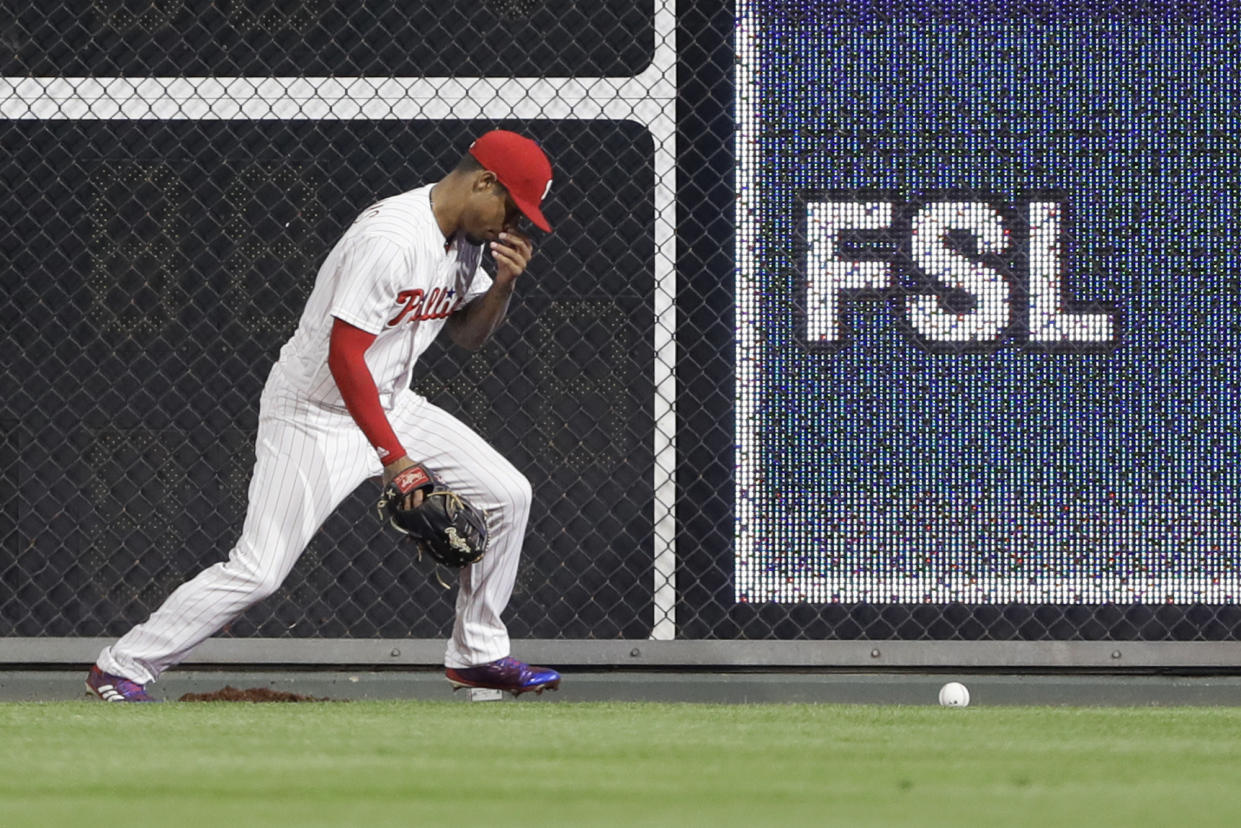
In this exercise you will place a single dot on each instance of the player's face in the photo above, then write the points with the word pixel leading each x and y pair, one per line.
pixel 489 212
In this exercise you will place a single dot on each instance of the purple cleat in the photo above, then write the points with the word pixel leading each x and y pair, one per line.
pixel 507 673
pixel 112 688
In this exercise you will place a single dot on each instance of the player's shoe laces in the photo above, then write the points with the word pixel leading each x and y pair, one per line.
pixel 112 688
pixel 507 674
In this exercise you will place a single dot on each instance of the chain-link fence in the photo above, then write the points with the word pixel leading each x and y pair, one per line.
pixel 732 374
pixel 161 238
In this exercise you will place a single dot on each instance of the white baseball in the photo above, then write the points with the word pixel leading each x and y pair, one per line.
pixel 954 694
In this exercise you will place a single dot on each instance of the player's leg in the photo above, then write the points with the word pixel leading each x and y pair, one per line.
pixel 470 466
pixel 302 471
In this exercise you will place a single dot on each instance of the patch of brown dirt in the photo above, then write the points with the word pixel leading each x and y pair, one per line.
pixel 253 694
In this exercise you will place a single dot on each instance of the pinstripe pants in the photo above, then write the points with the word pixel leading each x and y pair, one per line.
pixel 308 458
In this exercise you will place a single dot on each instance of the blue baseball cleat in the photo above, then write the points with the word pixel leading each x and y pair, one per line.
pixel 507 674
pixel 112 688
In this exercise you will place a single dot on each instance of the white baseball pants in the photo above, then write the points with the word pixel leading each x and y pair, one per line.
pixel 308 458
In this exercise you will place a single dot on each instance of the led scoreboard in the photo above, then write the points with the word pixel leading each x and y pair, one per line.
pixel 987 303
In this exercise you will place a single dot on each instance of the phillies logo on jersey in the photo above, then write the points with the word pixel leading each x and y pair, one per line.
pixel 419 305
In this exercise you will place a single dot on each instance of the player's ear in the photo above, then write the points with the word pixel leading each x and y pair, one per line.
pixel 484 180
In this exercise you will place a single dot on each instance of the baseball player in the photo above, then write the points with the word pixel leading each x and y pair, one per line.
pixel 337 409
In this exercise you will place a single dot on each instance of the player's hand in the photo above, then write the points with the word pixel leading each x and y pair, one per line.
pixel 392 470
pixel 512 252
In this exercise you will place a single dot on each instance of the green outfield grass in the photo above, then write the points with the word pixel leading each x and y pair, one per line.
pixel 458 764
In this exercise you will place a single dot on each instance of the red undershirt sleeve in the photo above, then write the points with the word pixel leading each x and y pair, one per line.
pixel 346 360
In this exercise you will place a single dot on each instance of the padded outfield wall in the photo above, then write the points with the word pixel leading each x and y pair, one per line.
pixel 896 322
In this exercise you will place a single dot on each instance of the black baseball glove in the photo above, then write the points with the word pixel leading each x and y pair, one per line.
pixel 443 524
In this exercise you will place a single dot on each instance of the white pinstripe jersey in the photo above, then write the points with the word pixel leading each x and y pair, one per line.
pixel 389 275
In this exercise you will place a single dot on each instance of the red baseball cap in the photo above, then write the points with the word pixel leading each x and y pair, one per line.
pixel 521 166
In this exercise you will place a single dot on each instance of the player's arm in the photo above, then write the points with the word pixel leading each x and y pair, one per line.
pixel 474 324
pixel 347 362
